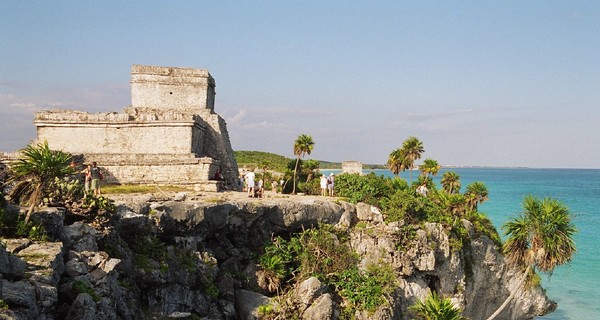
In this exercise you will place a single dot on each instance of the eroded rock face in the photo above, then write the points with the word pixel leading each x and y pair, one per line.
pixel 181 258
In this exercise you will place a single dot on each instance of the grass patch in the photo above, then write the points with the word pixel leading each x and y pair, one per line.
pixel 83 287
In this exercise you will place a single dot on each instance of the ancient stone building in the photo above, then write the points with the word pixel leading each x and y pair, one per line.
pixel 169 135
pixel 352 167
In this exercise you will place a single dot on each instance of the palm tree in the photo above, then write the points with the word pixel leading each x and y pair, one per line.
pixel 312 166
pixel 413 148
pixel 37 167
pixel 435 307
pixel 476 193
pixel 451 182
pixel 539 238
pixel 430 166
pixel 303 145
pixel 453 203
pixel 396 161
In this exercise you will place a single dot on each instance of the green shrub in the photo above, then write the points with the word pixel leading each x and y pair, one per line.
pixel 32 230
pixel 83 287
pixel 483 225
pixel 365 290
pixel 13 226
pixel 322 253
pixel 63 190
pixel 405 205
pixel 8 223
pixel 313 252
pixel 369 188
pixel 99 203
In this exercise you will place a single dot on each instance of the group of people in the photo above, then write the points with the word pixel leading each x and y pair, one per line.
pixel 254 188
pixel 327 184
pixel 92 176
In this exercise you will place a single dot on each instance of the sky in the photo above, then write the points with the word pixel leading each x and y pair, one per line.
pixel 480 83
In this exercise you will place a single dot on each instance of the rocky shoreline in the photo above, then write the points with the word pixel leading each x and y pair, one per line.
pixel 197 258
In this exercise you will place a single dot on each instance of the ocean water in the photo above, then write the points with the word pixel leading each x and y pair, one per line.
pixel 575 286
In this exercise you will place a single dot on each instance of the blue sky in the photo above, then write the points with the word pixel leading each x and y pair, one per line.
pixel 505 83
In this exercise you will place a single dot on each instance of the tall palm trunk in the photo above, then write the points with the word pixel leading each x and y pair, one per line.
pixel 34 199
pixel 295 172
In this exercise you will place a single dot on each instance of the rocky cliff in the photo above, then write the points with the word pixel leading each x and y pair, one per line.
pixel 197 259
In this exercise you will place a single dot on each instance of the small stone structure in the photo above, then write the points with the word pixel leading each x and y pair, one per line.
pixel 169 135
pixel 352 167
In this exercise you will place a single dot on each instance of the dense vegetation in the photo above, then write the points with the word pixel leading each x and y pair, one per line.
pixel 259 159
pixel 324 253
pixel 275 162
pixel 538 239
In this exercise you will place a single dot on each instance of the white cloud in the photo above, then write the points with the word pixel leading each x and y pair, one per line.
pixel 237 118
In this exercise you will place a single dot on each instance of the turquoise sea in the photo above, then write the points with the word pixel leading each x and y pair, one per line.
pixel 576 286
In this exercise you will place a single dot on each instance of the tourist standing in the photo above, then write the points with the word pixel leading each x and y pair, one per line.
pixel 331 184
pixel 250 183
pixel 260 188
pixel 274 186
pixel 324 182
pixel 422 189
pixel 96 176
pixel 87 178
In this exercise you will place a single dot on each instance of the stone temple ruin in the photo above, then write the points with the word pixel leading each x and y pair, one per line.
pixel 169 135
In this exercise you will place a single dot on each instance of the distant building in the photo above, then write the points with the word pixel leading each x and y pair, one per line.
pixel 169 135
pixel 352 167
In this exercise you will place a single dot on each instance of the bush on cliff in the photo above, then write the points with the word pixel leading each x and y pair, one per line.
pixel 324 254
pixel 399 202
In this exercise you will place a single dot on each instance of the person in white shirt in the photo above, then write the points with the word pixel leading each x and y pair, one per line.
pixel 323 185
pixel 250 183
pixel 422 190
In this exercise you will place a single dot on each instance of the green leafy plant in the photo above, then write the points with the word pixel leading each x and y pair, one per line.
pixel 212 290
pixel 83 287
pixel 99 203
pixel 435 307
pixel 34 172
pixel 365 290
pixel 325 254
pixel 63 190
pixel 370 188
pixel 31 230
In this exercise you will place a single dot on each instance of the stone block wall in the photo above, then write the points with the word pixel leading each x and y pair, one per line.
pixel 185 90
pixel 78 132
pixel 352 167
pixel 156 169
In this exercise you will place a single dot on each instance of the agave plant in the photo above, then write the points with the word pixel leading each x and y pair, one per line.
pixel 34 171
pixel 435 307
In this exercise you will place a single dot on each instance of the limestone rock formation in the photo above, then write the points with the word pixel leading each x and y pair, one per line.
pixel 175 259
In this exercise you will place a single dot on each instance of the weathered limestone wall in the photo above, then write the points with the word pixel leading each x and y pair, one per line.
pixel 81 132
pixel 186 90
pixel 162 169
pixel 352 167
pixel 136 138
pixel 220 146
